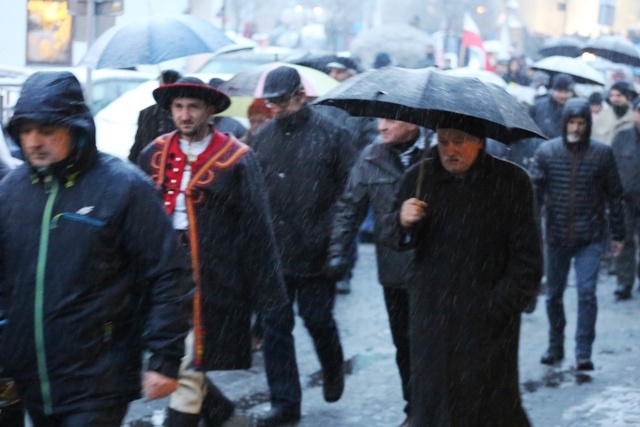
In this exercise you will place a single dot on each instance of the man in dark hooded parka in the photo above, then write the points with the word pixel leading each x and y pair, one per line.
pixel 91 274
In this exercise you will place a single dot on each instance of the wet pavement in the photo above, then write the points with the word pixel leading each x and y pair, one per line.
pixel 559 396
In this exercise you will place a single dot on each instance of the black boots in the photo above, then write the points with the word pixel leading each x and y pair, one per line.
pixel 216 410
pixel 216 407
pixel 181 419
pixel 552 356
pixel 280 415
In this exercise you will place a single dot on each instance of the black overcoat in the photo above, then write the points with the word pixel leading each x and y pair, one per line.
pixel 235 261
pixel 478 264
pixel 306 159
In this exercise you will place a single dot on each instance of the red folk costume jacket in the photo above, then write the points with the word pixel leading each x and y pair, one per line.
pixel 233 251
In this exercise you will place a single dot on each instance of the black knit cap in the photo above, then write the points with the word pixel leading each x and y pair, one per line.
pixel 562 82
pixel 190 87
pixel 625 89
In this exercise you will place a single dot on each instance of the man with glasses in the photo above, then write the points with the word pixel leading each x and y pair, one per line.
pixel 306 160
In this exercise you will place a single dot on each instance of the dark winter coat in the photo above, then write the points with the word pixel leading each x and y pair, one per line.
pixel 576 183
pixel 547 114
pixel 363 130
pixel 373 182
pixel 626 150
pixel 478 264
pixel 153 121
pixel 233 250
pixel 88 261
pixel 306 160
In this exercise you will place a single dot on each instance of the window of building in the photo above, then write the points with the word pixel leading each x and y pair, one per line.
pixel 607 12
pixel 49 28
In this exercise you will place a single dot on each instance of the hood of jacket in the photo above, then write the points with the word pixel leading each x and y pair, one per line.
pixel 57 98
pixel 577 107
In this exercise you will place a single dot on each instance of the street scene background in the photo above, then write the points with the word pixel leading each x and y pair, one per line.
pixel 556 396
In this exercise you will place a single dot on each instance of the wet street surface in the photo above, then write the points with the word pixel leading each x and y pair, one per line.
pixel 554 396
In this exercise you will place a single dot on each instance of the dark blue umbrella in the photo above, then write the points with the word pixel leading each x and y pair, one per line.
pixel 432 98
pixel 153 40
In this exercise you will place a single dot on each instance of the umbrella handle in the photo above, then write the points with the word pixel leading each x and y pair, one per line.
pixel 421 166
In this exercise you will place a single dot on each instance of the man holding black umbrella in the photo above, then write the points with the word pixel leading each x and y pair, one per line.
pixel 470 218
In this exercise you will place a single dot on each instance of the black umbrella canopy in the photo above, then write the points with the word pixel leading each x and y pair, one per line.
pixel 431 98
pixel 615 49
pixel 562 46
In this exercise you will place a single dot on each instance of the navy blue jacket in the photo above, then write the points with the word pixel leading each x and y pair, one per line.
pixel 576 183
pixel 89 263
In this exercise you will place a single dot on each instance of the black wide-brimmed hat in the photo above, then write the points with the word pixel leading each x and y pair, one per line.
pixel 190 87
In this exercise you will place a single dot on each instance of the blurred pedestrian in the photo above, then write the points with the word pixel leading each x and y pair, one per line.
pixel 474 275
pixel 214 192
pixel 363 131
pixel 306 160
pixel 515 74
pixel 372 183
pixel 258 113
pixel 626 150
pixel 619 115
pixel 576 181
pixel 382 59
pixel 547 110
pixel 226 124
pixel 91 271
pixel 153 121
pixel 342 68
pixel 11 409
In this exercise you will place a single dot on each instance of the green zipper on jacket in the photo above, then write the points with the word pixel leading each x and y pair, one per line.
pixel 45 387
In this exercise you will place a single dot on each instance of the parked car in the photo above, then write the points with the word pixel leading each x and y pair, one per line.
pixel 109 84
pixel 248 57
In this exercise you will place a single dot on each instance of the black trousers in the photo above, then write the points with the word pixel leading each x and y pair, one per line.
pixel 107 417
pixel 397 302
pixel 316 298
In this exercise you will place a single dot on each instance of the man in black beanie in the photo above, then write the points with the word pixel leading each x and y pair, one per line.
pixel 607 124
pixel 547 110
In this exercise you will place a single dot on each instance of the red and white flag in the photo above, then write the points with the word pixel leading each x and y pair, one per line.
pixel 471 39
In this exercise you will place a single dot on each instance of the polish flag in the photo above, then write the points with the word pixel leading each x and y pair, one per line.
pixel 471 39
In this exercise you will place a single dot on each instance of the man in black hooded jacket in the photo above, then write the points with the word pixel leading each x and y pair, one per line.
pixel 91 273
pixel 576 179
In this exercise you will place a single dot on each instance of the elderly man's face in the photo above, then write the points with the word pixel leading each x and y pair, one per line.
pixel 396 131
pixel 191 117
pixel 45 144
pixel 576 128
pixel 457 149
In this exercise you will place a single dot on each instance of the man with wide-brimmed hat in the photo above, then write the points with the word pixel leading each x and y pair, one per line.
pixel 214 192
pixel 306 158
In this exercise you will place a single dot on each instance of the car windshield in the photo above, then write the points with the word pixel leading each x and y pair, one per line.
pixel 231 66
